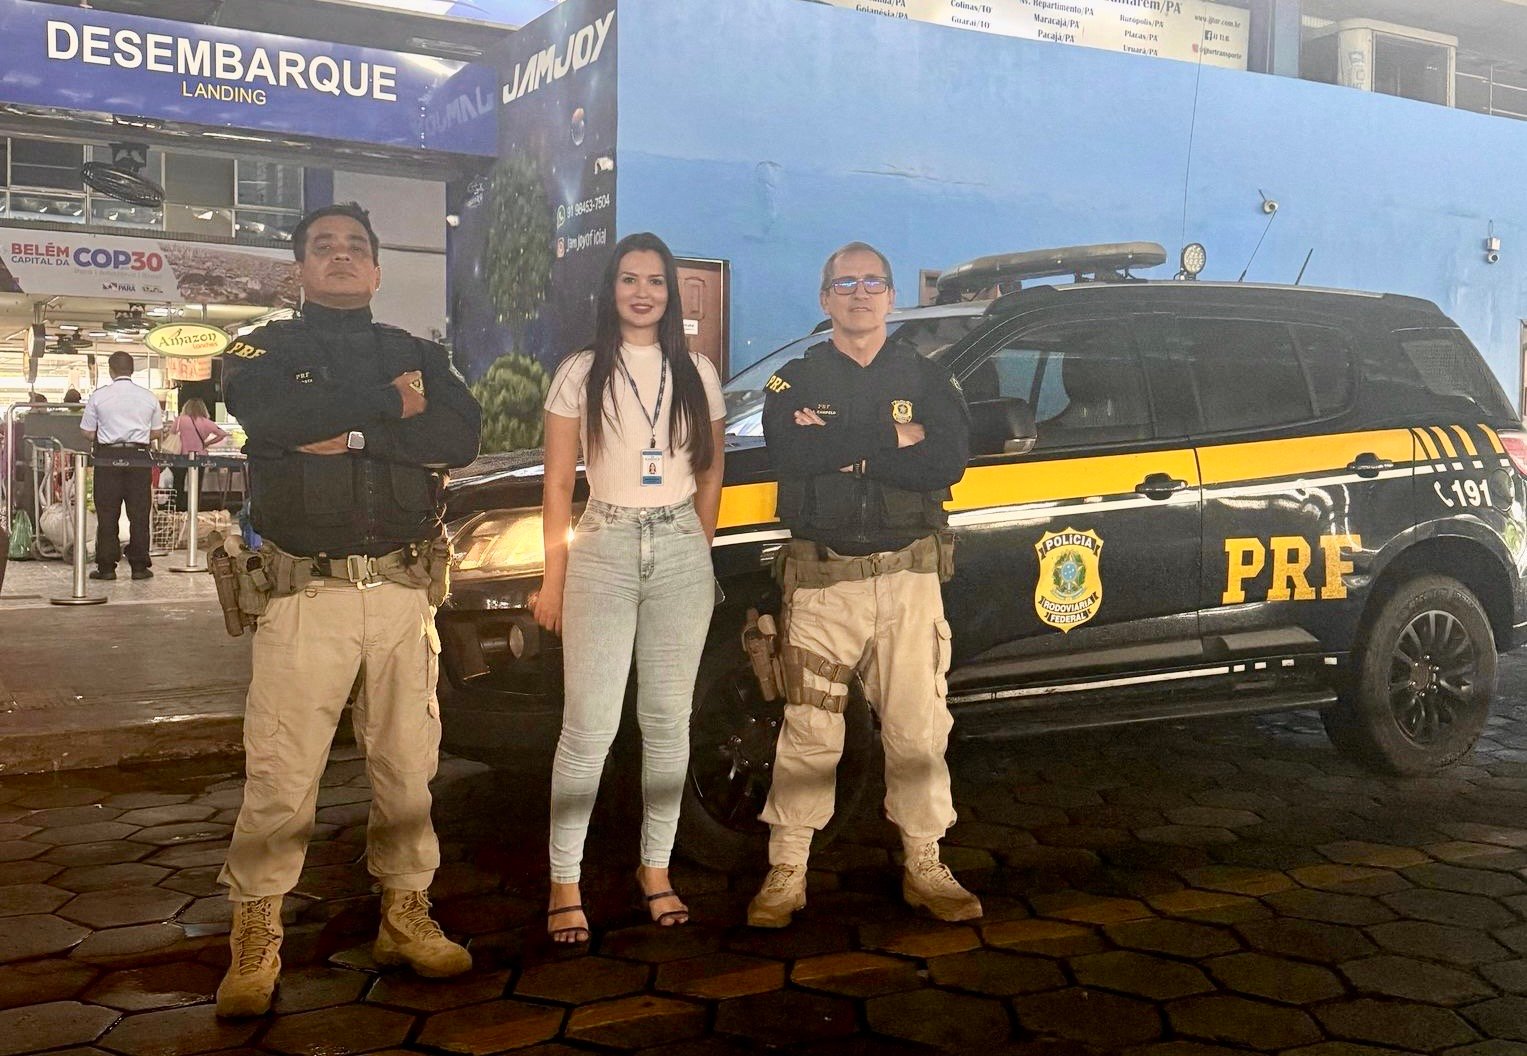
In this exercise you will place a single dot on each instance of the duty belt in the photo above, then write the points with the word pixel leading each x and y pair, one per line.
pixel 812 565
pixel 362 568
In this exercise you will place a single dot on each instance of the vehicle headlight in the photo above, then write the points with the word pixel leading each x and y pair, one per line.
pixel 509 543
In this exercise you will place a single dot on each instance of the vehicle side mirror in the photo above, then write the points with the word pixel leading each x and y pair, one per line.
pixel 1004 425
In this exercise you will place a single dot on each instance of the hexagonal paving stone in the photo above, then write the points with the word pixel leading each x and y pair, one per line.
pixel 956 1022
pixel 919 938
pixel 1287 982
pixel 49 1026
pixel 1185 835
pixel 202 882
pixel 58 817
pixel 187 856
pixel 178 1032
pixel 995 972
pixel 11 830
pixel 81 879
pixel 1504 1018
pixel 818 939
pixel 1177 938
pixel 1107 1021
pixel 720 976
pixel 1510 976
pixel 40 982
pixel 1238 880
pixel 406 990
pixel 37 935
pixel 1350 879
pixel 1449 877
pixel 1051 938
pixel 318 986
pixel 1090 909
pixel 581 980
pixel 139 800
pixel 142 943
pixel 647 942
pixel 134 905
pixel 1358 852
pixel 106 852
pixel 1213 817
pixel 1308 939
pixel 28 872
pixel 167 815
pixel 785 1018
pixel 1414 980
pixel 93 832
pixel 181 833
pixel 20 850
pixel 161 986
pixel 492 1027
pixel 1477 855
pixel 1208 907
pixel 1239 1021
pixel 1438 942
pixel 1451 907
pixel 1330 907
pixel 856 974
pixel 1413 1028
pixel 1140 975
pixel 47 798
pixel 363 1028
pixel 20 899
pixel 637 1022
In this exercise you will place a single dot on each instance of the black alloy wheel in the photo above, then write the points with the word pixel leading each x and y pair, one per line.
pixel 1424 675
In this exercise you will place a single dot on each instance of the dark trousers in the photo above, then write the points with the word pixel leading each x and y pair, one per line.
pixel 115 485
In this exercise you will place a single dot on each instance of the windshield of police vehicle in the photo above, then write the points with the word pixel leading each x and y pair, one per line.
pixel 744 393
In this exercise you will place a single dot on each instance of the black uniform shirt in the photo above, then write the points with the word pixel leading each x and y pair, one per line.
pixel 899 497
pixel 325 374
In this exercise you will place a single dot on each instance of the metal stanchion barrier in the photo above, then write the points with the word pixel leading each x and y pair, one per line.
pixel 79 597
pixel 194 562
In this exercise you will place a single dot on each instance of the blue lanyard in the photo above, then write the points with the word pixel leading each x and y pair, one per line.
pixel 658 407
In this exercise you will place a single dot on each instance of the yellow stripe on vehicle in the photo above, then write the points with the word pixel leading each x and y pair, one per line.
pixel 1015 484
pixel 1300 456
pixel 1468 443
pixel 1443 443
pixel 1428 445
pixel 743 504
pixel 1494 440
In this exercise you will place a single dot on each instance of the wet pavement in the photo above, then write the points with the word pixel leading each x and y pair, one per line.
pixel 1226 886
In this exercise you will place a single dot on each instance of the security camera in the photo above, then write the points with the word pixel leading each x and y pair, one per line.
pixel 1492 257
pixel 1269 206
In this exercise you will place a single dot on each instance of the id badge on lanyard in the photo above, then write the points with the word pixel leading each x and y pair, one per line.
pixel 651 470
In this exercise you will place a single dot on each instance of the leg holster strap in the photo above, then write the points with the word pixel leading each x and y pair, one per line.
pixel 796 660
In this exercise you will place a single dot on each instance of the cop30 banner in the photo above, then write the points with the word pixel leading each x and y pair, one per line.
pixel 1190 30
pixel 65 263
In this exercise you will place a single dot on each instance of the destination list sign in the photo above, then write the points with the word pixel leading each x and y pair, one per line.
pixel 1189 30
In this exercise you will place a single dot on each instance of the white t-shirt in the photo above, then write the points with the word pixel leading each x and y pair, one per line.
pixel 614 475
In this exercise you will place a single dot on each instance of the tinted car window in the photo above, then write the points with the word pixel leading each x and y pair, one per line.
pixel 1449 366
pixel 1327 359
pixel 1082 380
pixel 1247 373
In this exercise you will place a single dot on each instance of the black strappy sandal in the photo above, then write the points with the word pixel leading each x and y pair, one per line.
pixel 580 932
pixel 673 917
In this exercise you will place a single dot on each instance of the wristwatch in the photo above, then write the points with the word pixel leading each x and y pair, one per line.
pixel 355 440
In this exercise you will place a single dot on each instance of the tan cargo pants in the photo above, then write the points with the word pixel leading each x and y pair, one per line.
pixel 892 628
pixel 307 651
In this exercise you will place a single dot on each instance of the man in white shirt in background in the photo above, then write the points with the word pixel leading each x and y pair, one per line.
pixel 122 418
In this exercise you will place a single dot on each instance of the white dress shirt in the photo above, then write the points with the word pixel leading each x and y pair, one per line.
pixel 121 413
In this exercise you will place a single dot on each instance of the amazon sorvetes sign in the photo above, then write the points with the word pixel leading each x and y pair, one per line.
pixel 207 75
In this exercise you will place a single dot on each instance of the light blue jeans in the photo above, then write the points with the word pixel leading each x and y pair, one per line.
pixel 638 579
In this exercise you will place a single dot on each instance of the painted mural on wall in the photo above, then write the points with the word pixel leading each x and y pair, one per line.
pixel 535 228
pixel 1189 30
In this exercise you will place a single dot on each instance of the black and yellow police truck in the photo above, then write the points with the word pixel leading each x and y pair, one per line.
pixel 1184 499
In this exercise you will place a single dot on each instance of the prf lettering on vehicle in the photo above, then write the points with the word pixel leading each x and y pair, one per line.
pixel 1245 559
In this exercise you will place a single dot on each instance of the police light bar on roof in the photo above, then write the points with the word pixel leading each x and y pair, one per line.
pixel 1082 262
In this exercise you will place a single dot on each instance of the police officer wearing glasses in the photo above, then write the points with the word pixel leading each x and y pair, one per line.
pixel 866 437
pixel 349 423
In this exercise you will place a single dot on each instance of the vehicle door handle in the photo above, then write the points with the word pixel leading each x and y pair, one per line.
pixel 1368 464
pixel 1159 486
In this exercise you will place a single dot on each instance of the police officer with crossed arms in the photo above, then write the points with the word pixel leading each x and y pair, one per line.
pixel 866 437
pixel 349 424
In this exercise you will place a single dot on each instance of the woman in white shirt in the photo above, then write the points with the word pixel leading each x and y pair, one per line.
pixel 636 575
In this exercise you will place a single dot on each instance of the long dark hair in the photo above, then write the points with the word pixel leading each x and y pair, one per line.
pixel 689 422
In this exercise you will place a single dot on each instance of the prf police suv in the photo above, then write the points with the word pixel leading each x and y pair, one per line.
pixel 1184 499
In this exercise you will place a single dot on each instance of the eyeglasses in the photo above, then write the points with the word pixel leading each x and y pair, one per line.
pixel 871 284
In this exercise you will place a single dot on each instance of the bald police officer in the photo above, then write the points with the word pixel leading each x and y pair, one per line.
pixel 866 437
pixel 349 423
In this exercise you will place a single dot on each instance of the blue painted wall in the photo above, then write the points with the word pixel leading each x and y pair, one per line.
pixel 768 132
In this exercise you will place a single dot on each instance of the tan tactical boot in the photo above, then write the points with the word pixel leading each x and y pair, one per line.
pixel 783 892
pixel 927 883
pixel 256 964
pixel 410 936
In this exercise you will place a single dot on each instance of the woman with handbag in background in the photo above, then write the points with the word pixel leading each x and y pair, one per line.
pixel 636 575
pixel 193 432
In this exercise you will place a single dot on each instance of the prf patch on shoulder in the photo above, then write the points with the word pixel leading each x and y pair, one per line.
pixel 776 383
pixel 901 411
pixel 1070 587
pixel 244 350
